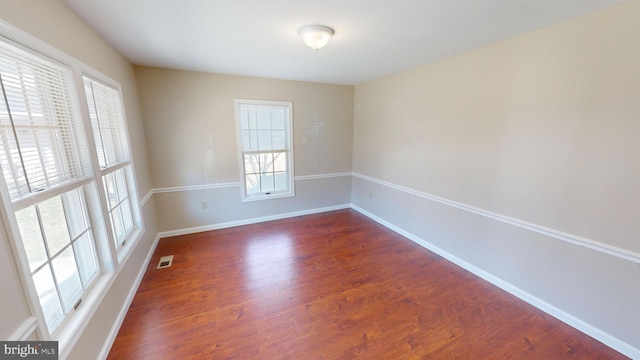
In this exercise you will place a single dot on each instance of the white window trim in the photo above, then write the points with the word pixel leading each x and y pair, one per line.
pixel 69 331
pixel 125 250
pixel 290 155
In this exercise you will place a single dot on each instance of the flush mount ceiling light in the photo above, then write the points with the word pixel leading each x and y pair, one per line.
pixel 315 36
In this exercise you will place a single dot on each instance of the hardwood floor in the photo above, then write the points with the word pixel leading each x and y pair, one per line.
pixel 330 286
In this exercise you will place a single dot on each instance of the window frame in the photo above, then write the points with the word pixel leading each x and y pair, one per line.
pixel 74 240
pixel 125 165
pixel 288 150
pixel 110 260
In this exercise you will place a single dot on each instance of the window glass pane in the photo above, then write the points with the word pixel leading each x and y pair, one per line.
pixel 267 182
pixel 31 237
pixel 277 119
pixel 102 159
pixel 127 219
pixel 106 119
pixel 264 119
pixel 112 151
pixel 120 213
pixel 282 182
pixel 253 140
pixel 251 164
pixel 87 262
pixel 94 122
pixel 279 140
pixel 54 224
pixel 9 157
pixel 40 147
pixel 76 214
pixel 266 162
pixel 66 271
pixel 110 190
pixel 264 140
pixel 117 225
pixel 252 183
pixel 280 162
pixel 48 296
pixel 244 121
pixel 246 140
pixel 121 184
pixel 252 114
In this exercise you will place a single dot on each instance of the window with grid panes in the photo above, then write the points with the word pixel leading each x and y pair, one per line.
pixel 60 193
pixel 106 113
pixel 265 142
pixel 46 169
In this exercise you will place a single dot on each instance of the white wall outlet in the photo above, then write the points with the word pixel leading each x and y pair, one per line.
pixel 203 205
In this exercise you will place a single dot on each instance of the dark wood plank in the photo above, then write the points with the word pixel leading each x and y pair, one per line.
pixel 330 286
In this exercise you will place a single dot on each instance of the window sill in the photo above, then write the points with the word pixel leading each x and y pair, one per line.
pixel 127 248
pixel 69 332
pixel 267 197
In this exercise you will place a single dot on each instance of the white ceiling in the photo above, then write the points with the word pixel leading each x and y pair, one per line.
pixel 373 38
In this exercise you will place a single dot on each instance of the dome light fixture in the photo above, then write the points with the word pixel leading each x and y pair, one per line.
pixel 315 36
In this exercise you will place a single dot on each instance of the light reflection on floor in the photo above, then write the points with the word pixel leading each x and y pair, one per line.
pixel 269 263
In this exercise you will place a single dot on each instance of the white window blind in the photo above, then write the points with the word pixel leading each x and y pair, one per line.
pixel 105 110
pixel 64 196
pixel 42 148
pixel 38 128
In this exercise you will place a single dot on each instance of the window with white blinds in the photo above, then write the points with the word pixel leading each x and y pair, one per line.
pixel 45 159
pixel 39 133
pixel 265 141
pixel 62 196
pixel 107 120
pixel 105 110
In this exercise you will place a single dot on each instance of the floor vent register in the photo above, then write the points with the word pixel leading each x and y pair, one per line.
pixel 165 261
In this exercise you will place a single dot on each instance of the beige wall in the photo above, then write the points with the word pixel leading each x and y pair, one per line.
pixel 52 22
pixel 191 133
pixel 543 128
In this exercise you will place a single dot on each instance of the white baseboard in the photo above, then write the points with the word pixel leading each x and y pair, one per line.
pixel 569 319
pixel 104 352
pixel 229 224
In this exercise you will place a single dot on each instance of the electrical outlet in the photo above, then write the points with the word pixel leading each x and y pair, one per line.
pixel 203 205
pixel 370 194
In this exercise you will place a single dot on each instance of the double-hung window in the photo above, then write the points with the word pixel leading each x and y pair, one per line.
pixel 46 166
pixel 67 181
pixel 107 122
pixel 265 143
